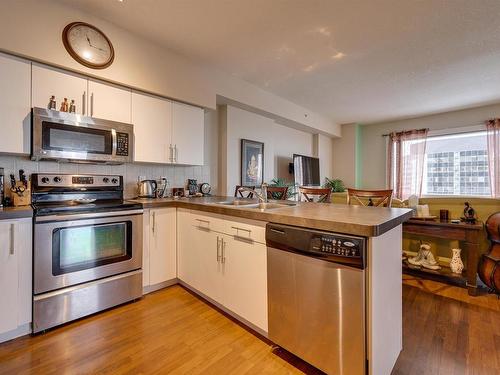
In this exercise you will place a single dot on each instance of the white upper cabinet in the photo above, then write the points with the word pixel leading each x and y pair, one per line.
pixel 109 102
pixel 188 134
pixel 152 120
pixel 15 119
pixel 50 81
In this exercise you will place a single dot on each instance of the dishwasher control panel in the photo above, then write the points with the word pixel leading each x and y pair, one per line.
pixel 328 246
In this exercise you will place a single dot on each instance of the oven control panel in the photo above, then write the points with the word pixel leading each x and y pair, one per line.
pixel 52 180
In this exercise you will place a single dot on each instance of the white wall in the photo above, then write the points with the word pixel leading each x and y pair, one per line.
pixel 32 28
pixel 280 143
pixel 324 149
pixel 345 155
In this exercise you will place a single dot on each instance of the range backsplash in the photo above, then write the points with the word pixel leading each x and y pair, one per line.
pixel 176 175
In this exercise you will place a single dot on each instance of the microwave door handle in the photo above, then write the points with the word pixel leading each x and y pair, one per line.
pixel 113 136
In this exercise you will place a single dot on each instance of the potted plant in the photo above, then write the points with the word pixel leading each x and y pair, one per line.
pixel 336 185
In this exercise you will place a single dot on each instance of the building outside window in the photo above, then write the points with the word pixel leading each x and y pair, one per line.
pixel 456 165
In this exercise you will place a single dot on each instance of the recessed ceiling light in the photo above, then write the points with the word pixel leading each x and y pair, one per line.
pixel 338 56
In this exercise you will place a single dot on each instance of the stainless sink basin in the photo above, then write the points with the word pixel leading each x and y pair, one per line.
pixel 237 203
pixel 270 205
pixel 257 206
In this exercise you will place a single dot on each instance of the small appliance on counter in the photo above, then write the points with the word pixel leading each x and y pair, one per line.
pixel 147 189
pixel 205 189
pixel 192 186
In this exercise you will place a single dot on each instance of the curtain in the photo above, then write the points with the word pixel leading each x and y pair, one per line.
pixel 493 134
pixel 405 162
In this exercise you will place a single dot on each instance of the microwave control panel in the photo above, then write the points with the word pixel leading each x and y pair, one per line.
pixel 122 143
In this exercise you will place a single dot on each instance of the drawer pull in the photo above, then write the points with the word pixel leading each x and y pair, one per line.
pixel 242 229
pixel 12 238
pixel 203 221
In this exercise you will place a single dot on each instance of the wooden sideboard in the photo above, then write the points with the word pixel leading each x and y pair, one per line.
pixel 468 234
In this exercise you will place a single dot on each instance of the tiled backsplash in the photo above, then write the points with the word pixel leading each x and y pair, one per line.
pixel 176 175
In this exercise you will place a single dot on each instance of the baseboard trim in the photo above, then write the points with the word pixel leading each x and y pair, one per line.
pixel 23 330
pixel 153 288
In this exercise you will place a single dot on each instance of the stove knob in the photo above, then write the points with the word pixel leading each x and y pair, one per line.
pixel 114 180
pixel 57 179
pixel 105 180
pixel 45 180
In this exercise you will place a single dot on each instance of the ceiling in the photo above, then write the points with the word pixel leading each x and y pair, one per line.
pixel 352 61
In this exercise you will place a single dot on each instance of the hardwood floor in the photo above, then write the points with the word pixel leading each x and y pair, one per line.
pixel 173 332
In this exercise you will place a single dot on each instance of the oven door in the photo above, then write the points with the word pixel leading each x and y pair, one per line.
pixel 73 249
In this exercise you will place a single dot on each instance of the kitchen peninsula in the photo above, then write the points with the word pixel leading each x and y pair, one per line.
pixel 242 285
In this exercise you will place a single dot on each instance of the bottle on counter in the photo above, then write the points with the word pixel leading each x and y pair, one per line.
pixel 52 103
pixel 72 106
pixel 64 105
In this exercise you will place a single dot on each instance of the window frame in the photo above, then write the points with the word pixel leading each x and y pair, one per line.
pixel 450 132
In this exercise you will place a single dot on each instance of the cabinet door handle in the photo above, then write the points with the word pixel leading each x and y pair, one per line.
pixel 12 239
pixel 176 153
pixel 218 250
pixel 83 102
pixel 91 104
pixel 223 259
pixel 154 222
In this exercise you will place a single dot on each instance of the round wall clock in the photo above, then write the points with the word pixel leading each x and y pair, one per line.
pixel 88 45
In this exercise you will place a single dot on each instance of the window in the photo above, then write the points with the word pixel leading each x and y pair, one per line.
pixel 456 165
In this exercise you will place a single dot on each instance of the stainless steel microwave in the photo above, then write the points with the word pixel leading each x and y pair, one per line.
pixel 66 136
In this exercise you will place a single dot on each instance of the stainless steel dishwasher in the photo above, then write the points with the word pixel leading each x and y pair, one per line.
pixel 316 297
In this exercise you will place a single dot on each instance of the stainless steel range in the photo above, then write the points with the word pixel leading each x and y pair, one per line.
pixel 87 247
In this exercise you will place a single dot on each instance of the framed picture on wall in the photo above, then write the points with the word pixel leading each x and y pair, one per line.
pixel 252 163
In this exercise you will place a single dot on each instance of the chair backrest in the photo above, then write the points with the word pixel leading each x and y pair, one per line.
pixel 370 197
pixel 277 192
pixel 243 194
pixel 323 194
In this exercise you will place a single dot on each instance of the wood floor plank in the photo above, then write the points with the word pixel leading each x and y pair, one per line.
pixel 174 332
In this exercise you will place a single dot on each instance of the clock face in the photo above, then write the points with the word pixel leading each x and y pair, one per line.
pixel 88 45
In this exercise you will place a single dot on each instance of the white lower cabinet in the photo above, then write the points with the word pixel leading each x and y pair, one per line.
pixel 159 248
pixel 15 277
pixel 228 269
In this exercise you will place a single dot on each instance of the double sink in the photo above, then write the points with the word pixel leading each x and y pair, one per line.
pixel 252 205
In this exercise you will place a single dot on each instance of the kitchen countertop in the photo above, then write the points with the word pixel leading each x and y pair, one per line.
pixel 340 218
pixel 15 212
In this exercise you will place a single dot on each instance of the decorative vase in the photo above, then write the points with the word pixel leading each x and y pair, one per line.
pixel 456 264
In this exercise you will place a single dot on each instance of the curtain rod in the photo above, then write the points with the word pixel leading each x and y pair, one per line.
pixel 477 123
pixel 404 131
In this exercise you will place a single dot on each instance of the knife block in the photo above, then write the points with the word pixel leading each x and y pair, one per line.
pixel 21 200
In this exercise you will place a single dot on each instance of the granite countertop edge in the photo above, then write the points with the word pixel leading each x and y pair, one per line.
pixel 292 215
pixel 21 212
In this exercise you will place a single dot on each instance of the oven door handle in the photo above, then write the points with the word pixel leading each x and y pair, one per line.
pixel 43 219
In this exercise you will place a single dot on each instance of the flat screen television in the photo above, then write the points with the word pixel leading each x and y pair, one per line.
pixel 306 170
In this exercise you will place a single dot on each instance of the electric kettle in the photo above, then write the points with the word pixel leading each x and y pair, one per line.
pixel 147 189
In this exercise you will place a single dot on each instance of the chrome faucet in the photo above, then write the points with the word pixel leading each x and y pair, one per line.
pixel 262 195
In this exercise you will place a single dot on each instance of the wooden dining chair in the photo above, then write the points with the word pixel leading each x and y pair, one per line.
pixel 323 194
pixel 243 194
pixel 277 192
pixel 370 197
